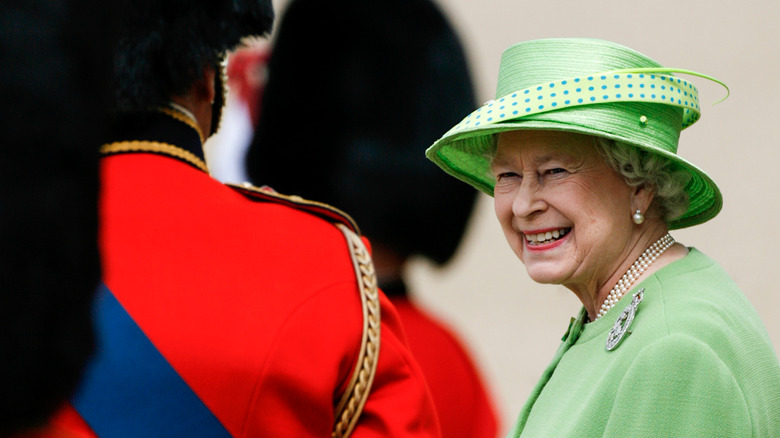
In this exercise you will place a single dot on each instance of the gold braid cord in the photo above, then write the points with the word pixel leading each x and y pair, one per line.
pixel 354 399
pixel 153 146
pixel 184 119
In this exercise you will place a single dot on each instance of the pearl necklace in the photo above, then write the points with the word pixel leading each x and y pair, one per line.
pixel 624 284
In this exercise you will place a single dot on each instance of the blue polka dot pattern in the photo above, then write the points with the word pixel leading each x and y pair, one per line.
pixel 609 90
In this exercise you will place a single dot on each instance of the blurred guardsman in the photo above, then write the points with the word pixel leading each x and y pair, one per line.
pixel 53 86
pixel 386 95
pixel 226 311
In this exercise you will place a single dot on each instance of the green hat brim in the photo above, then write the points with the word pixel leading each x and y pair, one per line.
pixel 466 155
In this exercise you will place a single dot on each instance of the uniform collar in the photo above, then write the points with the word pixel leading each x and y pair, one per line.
pixel 165 131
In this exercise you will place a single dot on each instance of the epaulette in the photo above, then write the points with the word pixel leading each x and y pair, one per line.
pixel 324 211
pixel 350 406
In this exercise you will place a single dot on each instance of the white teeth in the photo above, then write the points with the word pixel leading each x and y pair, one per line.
pixel 546 236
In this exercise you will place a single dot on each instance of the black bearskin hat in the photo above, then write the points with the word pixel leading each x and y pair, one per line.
pixel 54 82
pixel 390 77
pixel 165 44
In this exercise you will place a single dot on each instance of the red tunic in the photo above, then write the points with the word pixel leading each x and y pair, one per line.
pixel 254 303
pixel 462 401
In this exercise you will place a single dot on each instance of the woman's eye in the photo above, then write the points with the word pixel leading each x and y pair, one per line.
pixel 504 176
pixel 555 171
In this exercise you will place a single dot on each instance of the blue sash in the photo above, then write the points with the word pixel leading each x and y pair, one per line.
pixel 129 389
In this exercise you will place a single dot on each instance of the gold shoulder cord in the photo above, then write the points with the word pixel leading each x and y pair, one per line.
pixel 354 399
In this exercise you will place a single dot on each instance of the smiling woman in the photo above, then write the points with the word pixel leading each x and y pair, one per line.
pixel 579 150
pixel 554 181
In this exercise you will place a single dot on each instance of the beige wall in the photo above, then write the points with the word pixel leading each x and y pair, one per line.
pixel 511 324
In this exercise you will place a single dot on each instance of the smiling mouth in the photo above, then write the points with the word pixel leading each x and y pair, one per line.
pixel 546 237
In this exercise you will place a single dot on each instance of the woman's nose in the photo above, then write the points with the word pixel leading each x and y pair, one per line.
pixel 528 199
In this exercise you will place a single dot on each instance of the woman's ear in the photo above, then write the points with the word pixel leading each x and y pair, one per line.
pixel 642 198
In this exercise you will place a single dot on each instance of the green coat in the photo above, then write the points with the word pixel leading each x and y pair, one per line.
pixel 698 363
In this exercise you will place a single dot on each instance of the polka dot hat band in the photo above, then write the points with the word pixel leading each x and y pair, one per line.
pixel 607 87
pixel 587 86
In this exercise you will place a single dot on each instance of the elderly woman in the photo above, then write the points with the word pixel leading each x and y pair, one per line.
pixel 579 151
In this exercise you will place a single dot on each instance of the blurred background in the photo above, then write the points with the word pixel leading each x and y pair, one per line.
pixel 512 325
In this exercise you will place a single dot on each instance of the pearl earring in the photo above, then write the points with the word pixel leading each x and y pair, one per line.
pixel 638 217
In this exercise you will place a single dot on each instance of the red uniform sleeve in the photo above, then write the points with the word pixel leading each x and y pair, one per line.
pixel 312 359
pixel 400 404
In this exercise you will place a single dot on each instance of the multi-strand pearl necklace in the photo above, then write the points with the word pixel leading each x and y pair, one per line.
pixel 624 284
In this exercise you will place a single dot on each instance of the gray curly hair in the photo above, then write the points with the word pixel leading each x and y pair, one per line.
pixel 642 168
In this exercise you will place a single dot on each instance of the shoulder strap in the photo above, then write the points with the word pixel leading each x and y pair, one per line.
pixel 325 211
pixel 354 399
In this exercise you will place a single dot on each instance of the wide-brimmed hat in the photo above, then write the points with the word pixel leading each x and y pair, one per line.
pixel 586 86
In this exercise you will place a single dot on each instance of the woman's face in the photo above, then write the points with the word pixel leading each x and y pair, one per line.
pixel 564 211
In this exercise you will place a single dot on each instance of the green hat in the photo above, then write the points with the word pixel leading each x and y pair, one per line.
pixel 585 86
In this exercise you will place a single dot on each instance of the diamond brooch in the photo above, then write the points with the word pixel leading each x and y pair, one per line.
pixel 620 329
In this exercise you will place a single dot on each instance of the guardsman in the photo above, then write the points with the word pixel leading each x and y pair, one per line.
pixel 226 310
